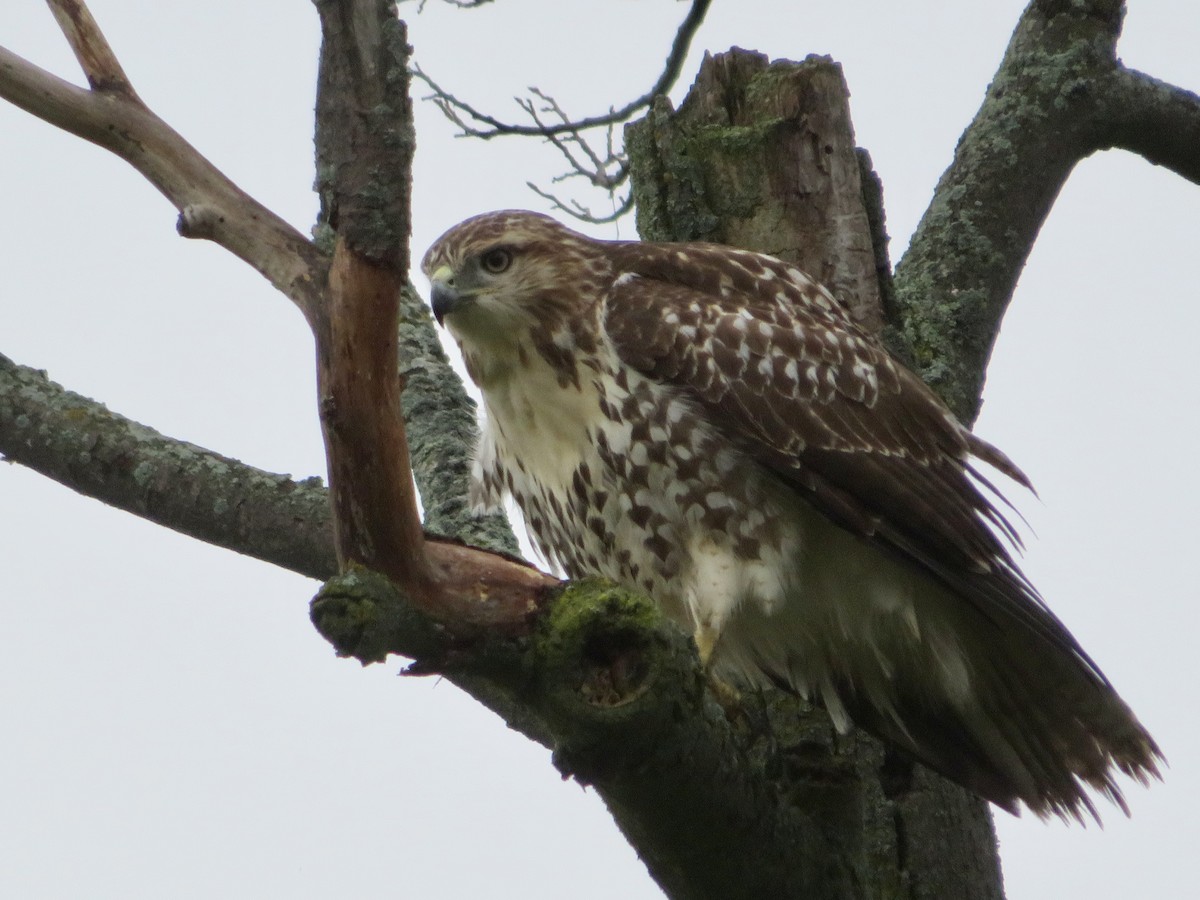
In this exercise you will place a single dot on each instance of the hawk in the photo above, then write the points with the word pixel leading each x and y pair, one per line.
pixel 709 426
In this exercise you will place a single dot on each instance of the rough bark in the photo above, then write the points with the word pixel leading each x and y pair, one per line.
pixel 752 159
pixel 763 157
pixel 1061 94
pixel 101 454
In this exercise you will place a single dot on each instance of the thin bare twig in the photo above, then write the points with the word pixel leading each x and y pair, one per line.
pixel 596 168
pixel 579 211
pixel 496 128
pixel 607 170
pixel 460 4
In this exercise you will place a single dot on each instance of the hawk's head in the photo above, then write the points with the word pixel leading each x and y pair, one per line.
pixel 504 272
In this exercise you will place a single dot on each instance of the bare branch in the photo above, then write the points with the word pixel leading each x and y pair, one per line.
pixel 364 148
pixel 596 168
pixel 567 134
pixel 118 122
pixel 496 128
pixel 460 4
pixel 363 129
pixel 91 49
pixel 376 523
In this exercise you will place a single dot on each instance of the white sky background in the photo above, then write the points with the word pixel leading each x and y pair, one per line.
pixel 171 724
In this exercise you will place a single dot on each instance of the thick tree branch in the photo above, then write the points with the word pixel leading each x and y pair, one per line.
pixel 376 523
pixel 90 449
pixel 364 152
pixel 1059 96
pixel 84 446
pixel 474 589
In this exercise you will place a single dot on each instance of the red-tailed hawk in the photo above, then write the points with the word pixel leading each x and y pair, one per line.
pixel 707 425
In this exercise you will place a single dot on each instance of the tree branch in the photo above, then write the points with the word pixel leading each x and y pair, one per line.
pixel 455 109
pixel 210 205
pixel 364 151
pixel 474 589
pixel 91 49
pixel 608 170
pixel 1153 119
pixel 1060 95
pixel 84 446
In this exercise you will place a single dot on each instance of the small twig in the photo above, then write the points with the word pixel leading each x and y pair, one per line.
pixel 567 134
pixel 581 212
pixel 596 169
pixel 670 74
pixel 460 4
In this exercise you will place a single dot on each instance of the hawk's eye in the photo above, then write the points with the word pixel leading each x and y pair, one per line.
pixel 496 261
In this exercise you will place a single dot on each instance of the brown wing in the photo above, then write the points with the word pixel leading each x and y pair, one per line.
pixel 787 375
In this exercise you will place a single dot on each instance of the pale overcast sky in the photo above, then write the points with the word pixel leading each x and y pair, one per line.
pixel 173 727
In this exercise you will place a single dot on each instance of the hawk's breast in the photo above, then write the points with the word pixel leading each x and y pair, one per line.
pixel 620 476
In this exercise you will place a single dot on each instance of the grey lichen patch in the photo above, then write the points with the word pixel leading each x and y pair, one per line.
pixel 1036 122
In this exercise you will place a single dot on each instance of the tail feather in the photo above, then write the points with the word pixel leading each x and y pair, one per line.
pixel 1020 715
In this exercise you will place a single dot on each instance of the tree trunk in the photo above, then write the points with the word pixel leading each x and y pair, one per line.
pixel 762 156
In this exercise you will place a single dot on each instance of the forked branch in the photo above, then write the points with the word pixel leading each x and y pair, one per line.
pixel 111 116
pixel 351 304
pixel 1060 95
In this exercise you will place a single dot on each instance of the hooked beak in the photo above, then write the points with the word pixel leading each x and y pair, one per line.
pixel 443 296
